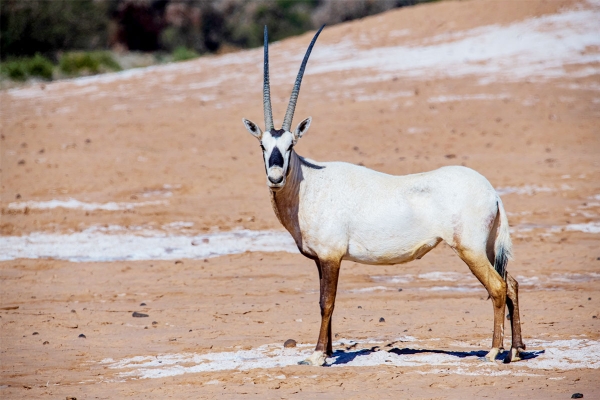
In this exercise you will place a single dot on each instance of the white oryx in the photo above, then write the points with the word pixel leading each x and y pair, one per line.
pixel 338 211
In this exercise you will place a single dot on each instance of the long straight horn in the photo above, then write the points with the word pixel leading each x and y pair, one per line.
pixel 266 87
pixel 289 114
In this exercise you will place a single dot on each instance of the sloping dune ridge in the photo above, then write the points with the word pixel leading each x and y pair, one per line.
pixel 141 191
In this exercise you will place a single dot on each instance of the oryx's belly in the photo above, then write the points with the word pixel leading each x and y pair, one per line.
pixel 389 250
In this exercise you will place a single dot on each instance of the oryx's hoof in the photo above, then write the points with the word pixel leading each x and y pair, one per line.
pixel 513 355
pixel 491 356
pixel 317 359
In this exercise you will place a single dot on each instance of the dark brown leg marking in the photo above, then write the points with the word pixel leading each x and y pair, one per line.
pixel 512 301
pixel 330 271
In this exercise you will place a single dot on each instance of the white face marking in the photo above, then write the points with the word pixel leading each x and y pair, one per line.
pixel 276 156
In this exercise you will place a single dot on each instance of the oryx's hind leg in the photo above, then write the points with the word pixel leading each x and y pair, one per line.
pixel 483 270
pixel 512 301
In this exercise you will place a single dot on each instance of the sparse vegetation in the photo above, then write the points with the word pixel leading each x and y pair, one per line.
pixel 34 34
pixel 20 69
pixel 182 53
pixel 88 63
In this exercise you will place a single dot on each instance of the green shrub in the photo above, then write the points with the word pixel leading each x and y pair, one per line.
pixel 15 70
pixel 182 53
pixel 88 63
pixel 40 66
pixel 19 69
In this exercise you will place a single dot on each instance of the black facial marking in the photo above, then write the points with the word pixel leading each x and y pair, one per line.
pixel 277 132
pixel 276 158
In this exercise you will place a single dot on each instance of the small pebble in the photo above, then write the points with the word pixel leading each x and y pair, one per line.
pixel 381 319
pixel 139 315
pixel 71 398
pixel 577 396
pixel 154 323
pixel 73 311
pixel 142 304
pixel 178 262
pixel 81 336
pixel 289 343
pixel 35 333
pixel 399 289
pixel 46 342
pixel 429 329
pixel 172 340
pixel 190 330
pixel 359 306
pixel 595 316
pixel 589 298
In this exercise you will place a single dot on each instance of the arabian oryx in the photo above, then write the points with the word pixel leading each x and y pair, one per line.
pixel 338 211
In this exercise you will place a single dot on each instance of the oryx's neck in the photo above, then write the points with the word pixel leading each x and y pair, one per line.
pixel 286 201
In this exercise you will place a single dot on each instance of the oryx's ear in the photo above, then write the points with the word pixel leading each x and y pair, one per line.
pixel 302 128
pixel 252 128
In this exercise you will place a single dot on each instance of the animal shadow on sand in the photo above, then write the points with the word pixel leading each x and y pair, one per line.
pixel 348 355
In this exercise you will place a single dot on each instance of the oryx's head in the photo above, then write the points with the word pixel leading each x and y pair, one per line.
pixel 277 144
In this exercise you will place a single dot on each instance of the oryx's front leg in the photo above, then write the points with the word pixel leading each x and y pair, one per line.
pixel 329 272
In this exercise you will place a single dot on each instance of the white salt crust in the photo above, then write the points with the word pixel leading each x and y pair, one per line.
pixel 561 355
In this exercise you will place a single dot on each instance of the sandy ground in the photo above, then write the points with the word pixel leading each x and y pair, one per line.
pixel 162 151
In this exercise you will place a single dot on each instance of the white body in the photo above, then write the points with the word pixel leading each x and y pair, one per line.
pixel 349 211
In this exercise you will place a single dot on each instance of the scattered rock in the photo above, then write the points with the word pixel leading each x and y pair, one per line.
pixel 81 336
pixel 46 342
pixel 21 162
pixel 139 315
pixel 577 396
pixel 383 320
pixel 35 333
pixel 73 311
pixel 178 262
pixel 450 155
pixel 399 289
pixel 71 398
pixel 172 340
pixel 88 141
pixel 142 304
pixel 18 196
pixel 10 308
pixel 429 329
pixel 154 323
pixel 289 343
pixel 359 306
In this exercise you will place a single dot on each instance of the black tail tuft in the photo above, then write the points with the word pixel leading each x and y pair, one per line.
pixel 500 262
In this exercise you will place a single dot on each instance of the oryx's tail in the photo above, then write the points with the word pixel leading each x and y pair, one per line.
pixel 503 244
